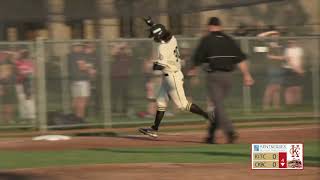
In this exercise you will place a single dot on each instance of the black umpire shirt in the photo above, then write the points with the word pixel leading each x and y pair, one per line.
pixel 220 51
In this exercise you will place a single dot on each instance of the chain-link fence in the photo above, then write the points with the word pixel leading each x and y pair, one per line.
pixel 82 83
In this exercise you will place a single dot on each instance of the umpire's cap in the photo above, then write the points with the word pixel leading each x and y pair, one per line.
pixel 215 21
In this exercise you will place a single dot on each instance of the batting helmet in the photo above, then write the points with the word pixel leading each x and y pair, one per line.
pixel 157 31
pixel 160 33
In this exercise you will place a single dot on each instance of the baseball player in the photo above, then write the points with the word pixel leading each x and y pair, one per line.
pixel 169 63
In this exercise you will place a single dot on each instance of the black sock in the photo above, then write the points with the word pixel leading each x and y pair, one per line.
pixel 157 120
pixel 197 110
pixel 211 130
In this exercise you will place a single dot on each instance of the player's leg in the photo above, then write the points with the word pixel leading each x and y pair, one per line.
pixel 162 100
pixel 21 101
pixel 177 94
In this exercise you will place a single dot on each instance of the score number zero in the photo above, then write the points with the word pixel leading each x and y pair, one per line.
pixel 265 160
pixel 265 164
pixel 266 156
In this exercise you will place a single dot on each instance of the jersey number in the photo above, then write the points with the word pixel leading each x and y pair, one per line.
pixel 177 53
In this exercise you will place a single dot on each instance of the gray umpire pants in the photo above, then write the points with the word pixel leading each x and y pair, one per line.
pixel 219 85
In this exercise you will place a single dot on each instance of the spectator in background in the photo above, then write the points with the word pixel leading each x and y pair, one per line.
pixel 80 73
pixel 91 54
pixel 293 73
pixel 7 86
pixel 274 71
pixel 24 83
pixel 120 73
pixel 256 29
pixel 242 30
pixel 92 59
pixel 269 31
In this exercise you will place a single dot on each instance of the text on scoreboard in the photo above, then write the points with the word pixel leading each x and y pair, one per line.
pixel 277 156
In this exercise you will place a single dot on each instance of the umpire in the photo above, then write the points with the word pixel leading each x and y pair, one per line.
pixel 219 54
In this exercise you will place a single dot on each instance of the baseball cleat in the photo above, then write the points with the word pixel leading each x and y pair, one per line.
pixel 149 131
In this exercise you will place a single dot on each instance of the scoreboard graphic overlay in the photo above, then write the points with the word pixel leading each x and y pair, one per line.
pixel 277 156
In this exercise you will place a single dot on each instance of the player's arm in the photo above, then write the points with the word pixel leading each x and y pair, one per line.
pixel 273 57
pixel 244 68
pixel 198 57
pixel 243 65
pixel 157 66
pixel 200 53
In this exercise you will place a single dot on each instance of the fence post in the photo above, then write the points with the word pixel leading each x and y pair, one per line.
pixel 41 85
pixel 66 106
pixel 246 93
pixel 106 84
pixel 316 81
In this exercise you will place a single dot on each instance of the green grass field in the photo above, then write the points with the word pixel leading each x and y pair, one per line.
pixel 236 153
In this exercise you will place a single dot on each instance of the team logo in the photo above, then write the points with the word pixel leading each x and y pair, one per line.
pixel 256 147
pixel 294 150
pixel 295 163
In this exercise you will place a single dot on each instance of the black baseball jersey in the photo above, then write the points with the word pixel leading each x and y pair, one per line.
pixel 220 51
